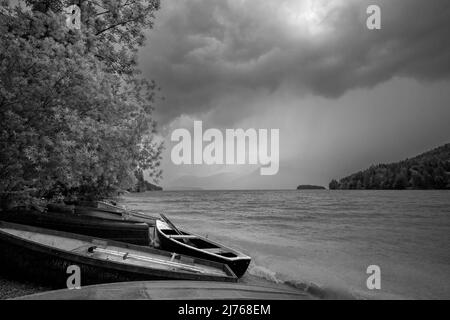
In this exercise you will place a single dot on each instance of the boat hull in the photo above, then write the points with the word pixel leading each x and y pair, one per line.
pixel 173 290
pixel 23 259
pixel 124 231
pixel 124 215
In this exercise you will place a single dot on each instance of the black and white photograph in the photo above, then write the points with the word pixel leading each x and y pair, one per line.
pixel 198 151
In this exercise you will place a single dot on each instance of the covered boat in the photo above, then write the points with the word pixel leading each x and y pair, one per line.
pixel 44 255
pixel 172 239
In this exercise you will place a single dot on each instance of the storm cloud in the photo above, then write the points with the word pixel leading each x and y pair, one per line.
pixel 210 54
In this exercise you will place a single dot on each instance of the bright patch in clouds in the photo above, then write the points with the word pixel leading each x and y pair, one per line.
pixel 310 68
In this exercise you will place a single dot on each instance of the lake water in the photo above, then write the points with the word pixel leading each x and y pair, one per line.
pixel 324 239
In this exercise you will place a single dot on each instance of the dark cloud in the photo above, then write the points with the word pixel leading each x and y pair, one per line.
pixel 203 51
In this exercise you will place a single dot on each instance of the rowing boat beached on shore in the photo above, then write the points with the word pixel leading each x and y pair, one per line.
pixel 43 254
pixel 172 239
pixel 104 210
pixel 118 230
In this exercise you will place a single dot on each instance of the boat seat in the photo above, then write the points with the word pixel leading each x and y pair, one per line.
pixel 213 250
pixel 182 236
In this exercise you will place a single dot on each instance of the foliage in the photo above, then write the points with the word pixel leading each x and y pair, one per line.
pixel 143 185
pixel 76 118
pixel 430 170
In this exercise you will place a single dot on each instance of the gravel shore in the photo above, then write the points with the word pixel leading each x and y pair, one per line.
pixel 10 288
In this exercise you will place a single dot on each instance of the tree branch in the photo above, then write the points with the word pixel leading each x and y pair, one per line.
pixel 119 24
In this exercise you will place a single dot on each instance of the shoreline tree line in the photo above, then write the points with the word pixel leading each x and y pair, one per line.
pixel 430 170
pixel 75 113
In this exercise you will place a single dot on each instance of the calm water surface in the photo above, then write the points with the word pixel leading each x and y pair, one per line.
pixel 324 239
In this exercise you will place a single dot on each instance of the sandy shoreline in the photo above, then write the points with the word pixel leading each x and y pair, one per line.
pixel 11 288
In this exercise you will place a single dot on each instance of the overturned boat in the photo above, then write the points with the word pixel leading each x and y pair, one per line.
pixel 44 255
pixel 172 290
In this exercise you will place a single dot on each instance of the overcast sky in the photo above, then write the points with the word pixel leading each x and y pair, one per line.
pixel 344 97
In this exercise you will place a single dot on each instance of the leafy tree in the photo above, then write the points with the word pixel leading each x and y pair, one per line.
pixel 401 180
pixel 76 117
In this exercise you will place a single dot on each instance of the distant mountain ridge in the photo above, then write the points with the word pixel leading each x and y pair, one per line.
pixel 429 170
pixel 248 180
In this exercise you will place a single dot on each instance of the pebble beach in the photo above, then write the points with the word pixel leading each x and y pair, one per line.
pixel 11 288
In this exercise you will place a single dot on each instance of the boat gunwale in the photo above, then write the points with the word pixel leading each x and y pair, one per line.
pixel 124 214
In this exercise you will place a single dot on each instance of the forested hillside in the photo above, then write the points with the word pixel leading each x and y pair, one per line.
pixel 430 170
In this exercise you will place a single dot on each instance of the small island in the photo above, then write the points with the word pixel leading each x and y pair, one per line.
pixel 310 187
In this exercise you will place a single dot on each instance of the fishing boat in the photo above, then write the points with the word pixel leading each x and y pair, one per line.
pixel 43 254
pixel 173 290
pixel 172 239
pixel 119 230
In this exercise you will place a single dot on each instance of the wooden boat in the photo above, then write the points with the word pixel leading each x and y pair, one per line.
pixel 111 212
pixel 172 290
pixel 84 208
pixel 110 206
pixel 99 213
pixel 43 254
pixel 118 230
pixel 172 239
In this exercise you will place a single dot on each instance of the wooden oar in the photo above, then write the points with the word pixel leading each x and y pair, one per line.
pixel 171 224
pixel 186 241
pixel 127 211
